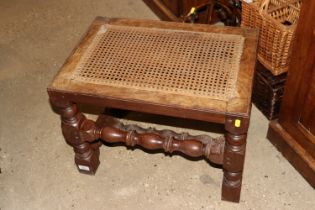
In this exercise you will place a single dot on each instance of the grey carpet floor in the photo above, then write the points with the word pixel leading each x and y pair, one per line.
pixel 37 169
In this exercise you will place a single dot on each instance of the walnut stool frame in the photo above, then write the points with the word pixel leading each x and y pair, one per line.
pixel 85 135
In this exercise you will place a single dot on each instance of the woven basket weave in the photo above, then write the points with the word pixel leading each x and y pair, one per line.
pixel 277 21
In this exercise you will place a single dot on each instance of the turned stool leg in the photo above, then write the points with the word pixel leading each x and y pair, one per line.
pixel 72 124
pixel 234 154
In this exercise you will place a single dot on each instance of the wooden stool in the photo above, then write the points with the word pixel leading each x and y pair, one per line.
pixel 199 72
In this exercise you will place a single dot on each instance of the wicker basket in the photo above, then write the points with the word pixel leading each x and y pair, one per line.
pixel 276 20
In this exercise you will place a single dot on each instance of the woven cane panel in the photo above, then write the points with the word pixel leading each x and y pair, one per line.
pixel 170 61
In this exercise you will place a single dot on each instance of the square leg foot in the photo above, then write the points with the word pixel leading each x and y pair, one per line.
pixel 231 194
pixel 89 164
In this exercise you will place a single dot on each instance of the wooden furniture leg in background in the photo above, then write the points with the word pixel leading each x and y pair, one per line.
pixel 234 155
pixel 72 122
